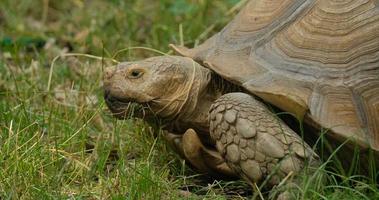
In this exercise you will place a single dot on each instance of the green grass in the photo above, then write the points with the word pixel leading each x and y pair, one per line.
pixel 61 142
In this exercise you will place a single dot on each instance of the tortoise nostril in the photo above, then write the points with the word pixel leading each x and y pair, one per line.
pixel 109 72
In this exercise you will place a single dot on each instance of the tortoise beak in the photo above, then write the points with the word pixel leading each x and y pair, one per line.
pixel 118 108
pixel 109 99
pixel 125 108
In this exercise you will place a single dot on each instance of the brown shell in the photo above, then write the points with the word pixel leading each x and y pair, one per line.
pixel 318 59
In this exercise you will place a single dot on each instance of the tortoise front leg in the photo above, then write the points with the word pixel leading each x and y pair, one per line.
pixel 204 159
pixel 254 142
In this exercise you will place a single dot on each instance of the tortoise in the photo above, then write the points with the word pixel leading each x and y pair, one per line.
pixel 315 59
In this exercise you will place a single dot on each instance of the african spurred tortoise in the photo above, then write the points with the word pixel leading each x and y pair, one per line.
pixel 315 59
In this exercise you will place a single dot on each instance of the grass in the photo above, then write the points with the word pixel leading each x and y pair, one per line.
pixel 59 141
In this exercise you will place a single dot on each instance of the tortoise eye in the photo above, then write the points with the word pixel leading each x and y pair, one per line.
pixel 135 73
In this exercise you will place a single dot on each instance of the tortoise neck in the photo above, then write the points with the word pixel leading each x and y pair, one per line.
pixel 219 86
pixel 212 88
pixel 183 102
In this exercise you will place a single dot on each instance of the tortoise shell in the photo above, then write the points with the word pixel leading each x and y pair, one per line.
pixel 317 59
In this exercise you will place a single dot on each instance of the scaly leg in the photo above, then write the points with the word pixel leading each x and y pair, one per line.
pixel 255 143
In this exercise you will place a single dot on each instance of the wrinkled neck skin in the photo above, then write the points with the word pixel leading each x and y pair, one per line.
pixel 196 113
pixel 189 105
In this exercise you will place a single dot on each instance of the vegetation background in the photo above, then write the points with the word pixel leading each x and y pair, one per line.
pixel 58 140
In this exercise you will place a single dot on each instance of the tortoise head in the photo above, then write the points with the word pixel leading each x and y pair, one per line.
pixel 164 86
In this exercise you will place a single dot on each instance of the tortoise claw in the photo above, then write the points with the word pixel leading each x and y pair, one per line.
pixel 205 160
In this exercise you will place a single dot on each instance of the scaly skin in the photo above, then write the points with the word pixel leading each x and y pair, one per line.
pixel 253 142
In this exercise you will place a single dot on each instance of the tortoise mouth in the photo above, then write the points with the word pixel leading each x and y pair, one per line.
pixel 126 108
